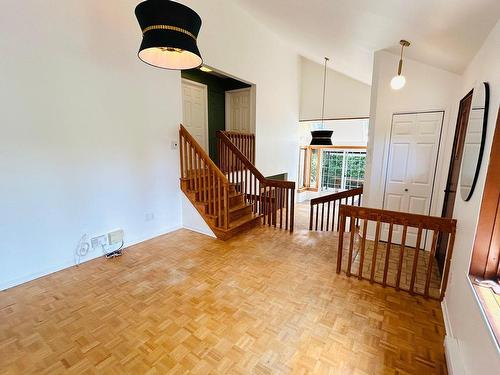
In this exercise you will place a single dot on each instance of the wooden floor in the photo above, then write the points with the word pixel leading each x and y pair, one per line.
pixel 264 302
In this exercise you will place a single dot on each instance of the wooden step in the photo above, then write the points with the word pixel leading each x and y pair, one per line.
pixel 239 210
pixel 238 226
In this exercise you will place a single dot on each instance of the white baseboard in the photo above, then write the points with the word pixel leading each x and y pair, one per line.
pixel 451 346
pixel 61 266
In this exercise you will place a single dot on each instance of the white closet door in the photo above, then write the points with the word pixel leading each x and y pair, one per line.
pixel 195 111
pixel 411 167
pixel 238 110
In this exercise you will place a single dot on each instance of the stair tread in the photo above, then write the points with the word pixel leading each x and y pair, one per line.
pixel 240 206
pixel 243 220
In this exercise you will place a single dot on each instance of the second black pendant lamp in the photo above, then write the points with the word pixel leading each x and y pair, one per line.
pixel 322 137
pixel 169 32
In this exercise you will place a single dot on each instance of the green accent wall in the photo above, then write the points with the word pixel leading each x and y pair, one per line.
pixel 281 177
pixel 216 87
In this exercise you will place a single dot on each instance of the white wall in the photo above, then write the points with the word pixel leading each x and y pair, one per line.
pixel 475 346
pixel 427 89
pixel 345 96
pixel 345 132
pixel 87 127
pixel 86 132
pixel 235 43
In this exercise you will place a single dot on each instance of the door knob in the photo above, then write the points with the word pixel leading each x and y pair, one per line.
pixel 406 190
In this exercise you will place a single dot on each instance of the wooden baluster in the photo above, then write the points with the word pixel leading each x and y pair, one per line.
pixel 328 217
pixel 292 211
pixel 415 259
pixel 334 216
pixel 317 212
pixel 288 211
pixel 447 264
pixel 341 242
pixel 432 254
pixel 322 214
pixel 281 207
pixel 375 249
pixel 275 206
pixel 387 253
pixel 226 206
pixel 311 213
pixel 190 163
pixel 209 190
pixel 351 245
pixel 362 251
pixel 401 256
pixel 338 216
pixel 181 152
pixel 219 203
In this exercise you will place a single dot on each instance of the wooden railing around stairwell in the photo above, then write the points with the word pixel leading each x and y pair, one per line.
pixel 324 211
pixel 402 262
pixel 273 199
pixel 204 176
pixel 245 143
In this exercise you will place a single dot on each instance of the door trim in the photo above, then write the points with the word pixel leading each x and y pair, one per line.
pixel 186 81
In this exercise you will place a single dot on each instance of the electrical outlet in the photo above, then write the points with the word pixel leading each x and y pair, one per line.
pixel 115 237
pixel 174 145
pixel 99 242
pixel 150 216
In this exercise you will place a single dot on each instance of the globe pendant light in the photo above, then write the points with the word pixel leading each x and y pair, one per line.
pixel 169 32
pixel 322 137
pixel 399 80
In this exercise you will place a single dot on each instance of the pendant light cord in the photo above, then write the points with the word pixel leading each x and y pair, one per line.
pixel 324 94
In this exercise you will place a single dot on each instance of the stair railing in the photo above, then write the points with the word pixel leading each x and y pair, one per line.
pixel 245 143
pixel 273 199
pixel 392 259
pixel 325 210
pixel 204 178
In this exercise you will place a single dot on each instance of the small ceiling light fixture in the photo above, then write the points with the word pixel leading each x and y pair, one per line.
pixel 399 80
pixel 322 137
pixel 205 69
pixel 169 32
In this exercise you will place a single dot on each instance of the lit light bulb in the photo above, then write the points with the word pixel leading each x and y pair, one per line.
pixel 398 82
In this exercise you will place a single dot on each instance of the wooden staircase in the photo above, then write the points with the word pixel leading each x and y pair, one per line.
pixel 236 198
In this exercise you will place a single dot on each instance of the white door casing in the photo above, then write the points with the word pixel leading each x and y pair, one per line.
pixel 195 111
pixel 411 168
pixel 239 110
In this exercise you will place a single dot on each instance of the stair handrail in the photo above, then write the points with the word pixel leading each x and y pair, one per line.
pixel 222 211
pixel 264 180
pixel 274 200
pixel 203 153
pixel 318 221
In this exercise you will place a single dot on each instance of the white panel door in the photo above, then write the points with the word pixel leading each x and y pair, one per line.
pixel 195 111
pixel 238 110
pixel 411 167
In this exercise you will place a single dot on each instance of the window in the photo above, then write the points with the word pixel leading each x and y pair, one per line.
pixel 342 169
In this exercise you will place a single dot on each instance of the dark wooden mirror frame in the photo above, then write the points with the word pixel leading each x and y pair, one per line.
pixel 483 139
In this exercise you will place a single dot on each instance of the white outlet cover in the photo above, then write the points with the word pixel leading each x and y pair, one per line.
pixel 99 241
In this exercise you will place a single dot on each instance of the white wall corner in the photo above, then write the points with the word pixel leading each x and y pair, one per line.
pixel 192 220
pixel 454 361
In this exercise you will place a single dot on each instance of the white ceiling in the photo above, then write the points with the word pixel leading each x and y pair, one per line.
pixel 444 33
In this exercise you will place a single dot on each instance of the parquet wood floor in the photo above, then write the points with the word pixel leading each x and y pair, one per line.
pixel 265 302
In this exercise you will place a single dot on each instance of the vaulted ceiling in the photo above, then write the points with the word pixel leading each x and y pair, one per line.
pixel 444 33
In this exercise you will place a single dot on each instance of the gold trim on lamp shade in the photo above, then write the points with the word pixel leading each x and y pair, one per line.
pixel 168 27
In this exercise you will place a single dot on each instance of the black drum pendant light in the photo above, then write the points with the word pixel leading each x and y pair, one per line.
pixel 169 32
pixel 322 137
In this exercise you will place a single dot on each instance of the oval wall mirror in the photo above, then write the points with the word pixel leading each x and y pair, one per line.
pixel 474 140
